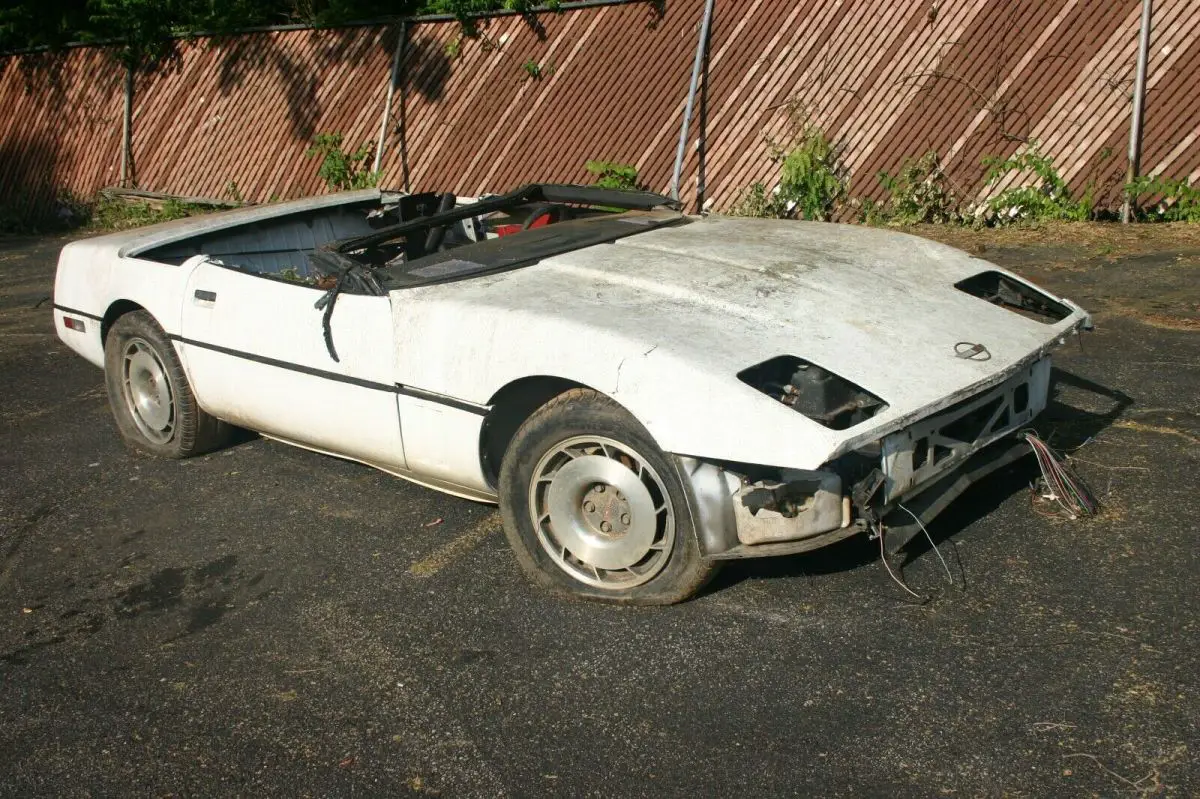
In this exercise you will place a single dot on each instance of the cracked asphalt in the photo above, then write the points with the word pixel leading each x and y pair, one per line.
pixel 268 621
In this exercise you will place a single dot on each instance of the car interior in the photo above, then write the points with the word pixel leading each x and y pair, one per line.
pixel 283 247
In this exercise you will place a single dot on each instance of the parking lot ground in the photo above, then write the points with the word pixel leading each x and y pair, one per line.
pixel 268 621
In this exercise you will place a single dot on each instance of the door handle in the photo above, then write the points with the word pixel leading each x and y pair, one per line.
pixel 206 296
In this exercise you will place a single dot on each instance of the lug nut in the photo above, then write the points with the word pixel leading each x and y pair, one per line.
pixel 605 527
pixel 599 489
pixel 590 507
pixel 624 518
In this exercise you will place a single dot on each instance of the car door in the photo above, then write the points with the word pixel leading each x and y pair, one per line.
pixel 256 356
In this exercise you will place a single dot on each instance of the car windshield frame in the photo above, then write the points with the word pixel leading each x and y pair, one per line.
pixel 629 212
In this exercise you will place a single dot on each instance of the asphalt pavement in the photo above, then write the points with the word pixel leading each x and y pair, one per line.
pixel 268 621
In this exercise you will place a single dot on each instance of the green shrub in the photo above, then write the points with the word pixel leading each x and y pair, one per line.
pixel 1047 198
pixel 812 180
pixel 340 169
pixel 614 175
pixel 110 213
pixel 1176 200
pixel 755 201
pixel 919 193
pixel 872 213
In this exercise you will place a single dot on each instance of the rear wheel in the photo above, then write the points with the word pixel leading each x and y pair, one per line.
pixel 151 400
pixel 594 508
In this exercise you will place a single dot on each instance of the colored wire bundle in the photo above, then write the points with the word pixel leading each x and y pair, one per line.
pixel 1064 486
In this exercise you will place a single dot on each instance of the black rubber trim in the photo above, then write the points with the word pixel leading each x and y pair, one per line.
pixel 392 388
pixel 77 312
pixel 292 367
pixel 442 399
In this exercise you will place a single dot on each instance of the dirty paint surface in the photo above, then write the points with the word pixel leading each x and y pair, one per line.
pixel 663 321
pixel 266 620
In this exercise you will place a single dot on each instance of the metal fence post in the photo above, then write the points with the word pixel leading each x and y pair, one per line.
pixel 701 47
pixel 127 130
pixel 1139 102
pixel 391 91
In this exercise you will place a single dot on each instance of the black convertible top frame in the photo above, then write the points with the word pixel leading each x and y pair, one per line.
pixel 360 278
pixel 532 193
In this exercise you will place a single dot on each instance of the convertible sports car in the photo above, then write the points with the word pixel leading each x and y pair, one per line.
pixel 645 393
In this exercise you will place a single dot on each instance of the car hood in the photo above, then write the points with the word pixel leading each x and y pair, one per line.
pixel 721 294
pixel 879 306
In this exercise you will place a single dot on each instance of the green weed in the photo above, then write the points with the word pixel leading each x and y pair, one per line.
pixel 614 175
pixel 110 213
pixel 343 170
pixel 1175 200
pixel 1046 198
pixel 812 180
pixel 919 193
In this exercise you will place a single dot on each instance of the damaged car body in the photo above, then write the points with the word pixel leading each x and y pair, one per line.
pixel 802 510
pixel 646 394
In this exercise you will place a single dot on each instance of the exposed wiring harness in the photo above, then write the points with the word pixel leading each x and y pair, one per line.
pixel 1061 483
pixel 879 531
pixel 929 538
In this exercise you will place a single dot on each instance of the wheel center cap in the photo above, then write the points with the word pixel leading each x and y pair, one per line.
pixel 606 510
pixel 598 518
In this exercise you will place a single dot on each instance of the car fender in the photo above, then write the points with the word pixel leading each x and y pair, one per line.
pixel 459 352
pixel 92 278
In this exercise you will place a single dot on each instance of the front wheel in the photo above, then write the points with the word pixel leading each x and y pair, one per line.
pixel 594 508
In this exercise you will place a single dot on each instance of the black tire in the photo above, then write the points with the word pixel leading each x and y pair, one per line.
pixel 188 429
pixel 677 567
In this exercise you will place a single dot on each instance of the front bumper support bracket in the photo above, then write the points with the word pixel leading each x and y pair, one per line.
pixel 901 528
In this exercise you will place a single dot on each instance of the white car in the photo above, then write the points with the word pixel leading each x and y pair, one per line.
pixel 644 393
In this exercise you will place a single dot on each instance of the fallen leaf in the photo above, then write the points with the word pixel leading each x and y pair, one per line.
pixel 347 762
pixel 435 522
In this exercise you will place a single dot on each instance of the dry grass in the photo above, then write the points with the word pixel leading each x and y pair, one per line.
pixel 1168 322
pixel 1141 427
pixel 1104 238
pixel 1186 320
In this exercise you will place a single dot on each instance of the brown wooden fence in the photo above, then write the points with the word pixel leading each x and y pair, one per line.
pixel 535 97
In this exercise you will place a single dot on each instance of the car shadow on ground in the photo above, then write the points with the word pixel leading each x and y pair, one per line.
pixel 1077 411
pixel 239 436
